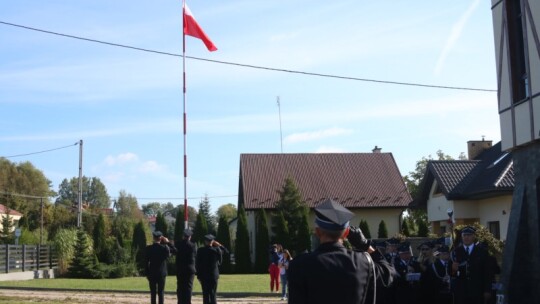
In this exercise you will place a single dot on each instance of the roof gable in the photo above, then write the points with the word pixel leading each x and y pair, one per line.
pixel 356 180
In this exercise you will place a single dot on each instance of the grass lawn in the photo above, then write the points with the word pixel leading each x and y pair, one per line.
pixel 233 283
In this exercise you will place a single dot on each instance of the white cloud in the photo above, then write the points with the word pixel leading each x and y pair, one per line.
pixel 316 135
pixel 121 159
pixel 151 166
pixel 457 29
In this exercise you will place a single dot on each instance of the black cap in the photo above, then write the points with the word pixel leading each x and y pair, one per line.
pixel 441 241
pixel 468 230
pixel 157 234
pixel 381 244
pixel 330 215
pixel 393 241
pixel 209 237
pixel 188 232
pixel 443 248
pixel 405 247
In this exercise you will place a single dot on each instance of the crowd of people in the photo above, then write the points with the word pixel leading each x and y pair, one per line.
pixel 384 272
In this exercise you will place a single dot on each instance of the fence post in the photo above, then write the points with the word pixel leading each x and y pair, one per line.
pixel 7 258
pixel 38 256
pixel 23 257
pixel 50 256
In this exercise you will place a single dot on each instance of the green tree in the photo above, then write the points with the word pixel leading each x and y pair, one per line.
pixel 138 245
pixel 126 205
pixel 64 244
pixel 262 242
pixel 281 231
pixel 291 206
pixel 224 237
pixel 24 178
pixel 204 209
pixel 100 238
pixel 228 211
pixel 161 224
pixel 363 225
pixel 242 253
pixel 83 264
pixel 94 193
pixel 6 234
pixel 405 228
pixel 382 233
pixel 304 234
pixel 179 225
pixel 201 229
pixel 423 230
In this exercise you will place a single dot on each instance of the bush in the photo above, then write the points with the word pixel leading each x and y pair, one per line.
pixel 64 244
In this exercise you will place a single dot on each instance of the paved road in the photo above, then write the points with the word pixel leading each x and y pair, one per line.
pixel 117 298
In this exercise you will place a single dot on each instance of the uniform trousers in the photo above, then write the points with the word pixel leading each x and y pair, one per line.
pixel 184 287
pixel 209 287
pixel 157 285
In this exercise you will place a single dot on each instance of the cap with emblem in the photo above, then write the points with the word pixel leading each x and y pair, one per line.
pixel 330 215
pixel 157 234
pixel 404 247
pixel 468 230
pixel 188 232
pixel 443 249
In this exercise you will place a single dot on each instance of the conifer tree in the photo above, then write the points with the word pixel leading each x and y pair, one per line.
pixel 383 231
pixel 405 228
pixel 161 224
pixel 138 246
pixel 365 228
pixel 281 231
pixel 291 205
pixel 242 253
pixel 100 238
pixel 304 234
pixel 423 230
pixel 262 242
pixel 201 229
pixel 83 264
pixel 6 233
pixel 224 237
pixel 204 208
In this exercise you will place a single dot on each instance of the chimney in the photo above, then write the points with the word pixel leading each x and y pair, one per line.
pixel 476 147
pixel 376 150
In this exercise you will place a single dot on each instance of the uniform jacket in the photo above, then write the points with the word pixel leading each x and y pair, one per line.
pixel 185 258
pixel 207 262
pixel 475 274
pixel 156 259
pixel 333 274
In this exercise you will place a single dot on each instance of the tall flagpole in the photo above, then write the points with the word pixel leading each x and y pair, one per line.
pixel 185 116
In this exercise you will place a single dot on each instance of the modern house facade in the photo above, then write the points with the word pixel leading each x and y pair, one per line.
pixel 477 190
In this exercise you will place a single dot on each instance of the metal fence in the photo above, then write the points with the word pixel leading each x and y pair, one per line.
pixel 17 258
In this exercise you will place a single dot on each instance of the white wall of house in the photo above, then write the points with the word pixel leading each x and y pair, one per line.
pixel 14 219
pixel 466 209
pixel 496 210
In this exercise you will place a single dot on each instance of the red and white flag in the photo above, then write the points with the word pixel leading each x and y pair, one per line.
pixel 192 28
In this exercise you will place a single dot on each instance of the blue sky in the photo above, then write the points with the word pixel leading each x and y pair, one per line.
pixel 126 105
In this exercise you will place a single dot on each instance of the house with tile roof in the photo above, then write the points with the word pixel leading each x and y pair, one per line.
pixel 14 215
pixel 368 184
pixel 476 190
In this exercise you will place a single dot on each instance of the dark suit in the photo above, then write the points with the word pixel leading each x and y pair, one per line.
pixel 436 282
pixel 474 275
pixel 156 269
pixel 207 264
pixel 406 292
pixel 333 274
pixel 185 270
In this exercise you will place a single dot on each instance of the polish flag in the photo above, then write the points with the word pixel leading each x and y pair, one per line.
pixel 192 28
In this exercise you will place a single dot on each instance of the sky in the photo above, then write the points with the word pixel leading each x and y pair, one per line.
pixel 126 105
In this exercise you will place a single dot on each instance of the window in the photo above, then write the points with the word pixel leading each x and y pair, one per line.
pixel 516 48
pixel 495 229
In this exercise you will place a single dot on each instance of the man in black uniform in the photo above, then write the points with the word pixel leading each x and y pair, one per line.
pixel 156 265
pixel 208 260
pixel 185 268
pixel 408 276
pixel 333 274
pixel 472 269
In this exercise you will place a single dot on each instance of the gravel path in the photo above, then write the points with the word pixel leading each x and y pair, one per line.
pixel 29 296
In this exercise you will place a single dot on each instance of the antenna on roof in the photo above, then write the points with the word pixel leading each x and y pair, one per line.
pixel 280 132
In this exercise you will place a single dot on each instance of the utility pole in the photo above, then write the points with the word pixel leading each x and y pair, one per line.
pixel 41 224
pixel 280 132
pixel 79 197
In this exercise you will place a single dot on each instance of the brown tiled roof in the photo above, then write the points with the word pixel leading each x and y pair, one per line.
pixel 11 211
pixel 356 180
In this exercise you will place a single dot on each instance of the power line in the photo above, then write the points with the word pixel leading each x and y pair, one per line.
pixel 21 195
pixel 32 153
pixel 181 198
pixel 252 66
